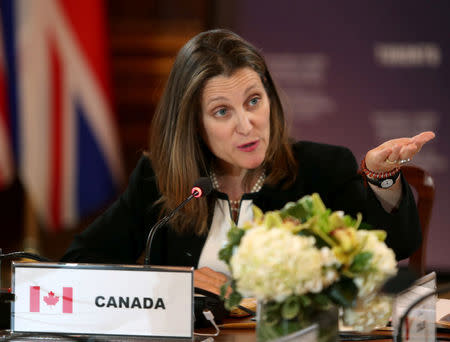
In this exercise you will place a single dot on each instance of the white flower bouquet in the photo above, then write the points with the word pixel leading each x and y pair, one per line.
pixel 305 256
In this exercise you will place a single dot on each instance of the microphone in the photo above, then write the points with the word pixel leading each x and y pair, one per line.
pixel 202 187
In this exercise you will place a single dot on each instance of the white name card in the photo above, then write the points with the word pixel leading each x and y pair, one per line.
pixel 102 299
pixel 420 325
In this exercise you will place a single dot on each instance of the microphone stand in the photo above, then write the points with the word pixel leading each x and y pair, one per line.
pixel 161 223
pixel 399 336
pixel 202 187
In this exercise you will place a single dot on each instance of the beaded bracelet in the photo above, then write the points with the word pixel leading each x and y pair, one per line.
pixel 381 179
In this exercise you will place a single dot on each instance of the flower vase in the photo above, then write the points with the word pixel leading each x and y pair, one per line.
pixel 275 320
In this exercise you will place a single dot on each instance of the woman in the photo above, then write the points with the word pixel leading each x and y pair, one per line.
pixel 220 116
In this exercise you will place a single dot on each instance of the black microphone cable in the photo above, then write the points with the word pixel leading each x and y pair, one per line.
pixel 17 255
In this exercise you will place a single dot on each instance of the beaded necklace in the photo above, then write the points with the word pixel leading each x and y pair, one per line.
pixel 234 205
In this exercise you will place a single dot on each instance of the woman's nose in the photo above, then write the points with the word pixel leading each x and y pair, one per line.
pixel 244 124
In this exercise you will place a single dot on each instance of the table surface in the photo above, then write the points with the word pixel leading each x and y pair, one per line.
pixel 233 334
pixel 228 333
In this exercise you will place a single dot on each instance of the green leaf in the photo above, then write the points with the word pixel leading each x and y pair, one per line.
pixel 302 210
pixel 272 306
pixel 267 332
pixel 272 219
pixel 318 206
pixel 315 228
pixel 358 220
pixel 224 288
pixel 336 220
pixel 343 292
pixel 323 221
pixel 309 232
pixel 295 210
pixel 320 300
pixel 290 307
pixel 349 221
pixel 257 213
pixel 271 314
pixel 365 226
pixel 271 318
pixel 361 262
pixel 226 253
pixel 381 234
pixel 233 300
pixel 234 235
pixel 305 300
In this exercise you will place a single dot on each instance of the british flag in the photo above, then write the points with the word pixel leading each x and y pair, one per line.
pixel 6 165
pixel 60 126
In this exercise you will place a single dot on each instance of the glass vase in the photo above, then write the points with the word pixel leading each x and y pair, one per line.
pixel 275 320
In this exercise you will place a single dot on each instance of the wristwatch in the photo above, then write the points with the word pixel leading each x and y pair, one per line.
pixel 385 182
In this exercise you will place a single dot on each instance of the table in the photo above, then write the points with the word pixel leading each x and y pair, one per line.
pixel 226 335
pixel 241 335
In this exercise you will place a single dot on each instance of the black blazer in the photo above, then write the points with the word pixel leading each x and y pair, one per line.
pixel 119 235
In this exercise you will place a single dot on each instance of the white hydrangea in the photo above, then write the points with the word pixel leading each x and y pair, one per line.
pixel 272 264
pixel 369 314
pixel 328 257
pixel 330 266
pixel 382 264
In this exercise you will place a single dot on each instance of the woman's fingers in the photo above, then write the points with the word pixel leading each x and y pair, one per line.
pixel 383 159
pixel 392 158
pixel 425 136
pixel 422 138
pixel 408 152
pixel 395 152
pixel 382 155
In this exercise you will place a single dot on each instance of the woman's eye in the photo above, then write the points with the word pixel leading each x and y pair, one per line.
pixel 254 101
pixel 221 112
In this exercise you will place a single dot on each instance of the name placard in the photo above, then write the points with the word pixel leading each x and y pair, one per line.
pixel 420 325
pixel 102 299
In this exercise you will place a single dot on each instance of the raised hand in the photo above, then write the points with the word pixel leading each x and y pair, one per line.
pixel 395 152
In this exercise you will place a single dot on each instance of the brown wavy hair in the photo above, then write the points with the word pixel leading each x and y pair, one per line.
pixel 178 154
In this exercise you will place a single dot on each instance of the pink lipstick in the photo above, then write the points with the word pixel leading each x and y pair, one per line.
pixel 249 147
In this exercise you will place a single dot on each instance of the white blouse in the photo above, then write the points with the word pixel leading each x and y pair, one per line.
pixel 217 237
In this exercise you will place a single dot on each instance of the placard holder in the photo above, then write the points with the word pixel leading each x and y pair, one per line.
pixel 97 299
pixel 420 324
pixel 308 334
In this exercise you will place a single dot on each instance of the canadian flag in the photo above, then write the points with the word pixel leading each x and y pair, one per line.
pixel 51 299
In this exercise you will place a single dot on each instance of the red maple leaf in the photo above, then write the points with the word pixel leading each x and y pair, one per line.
pixel 51 299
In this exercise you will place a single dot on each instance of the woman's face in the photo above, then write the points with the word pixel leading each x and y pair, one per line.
pixel 236 120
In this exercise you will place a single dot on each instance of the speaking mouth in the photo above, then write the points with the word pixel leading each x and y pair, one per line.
pixel 248 145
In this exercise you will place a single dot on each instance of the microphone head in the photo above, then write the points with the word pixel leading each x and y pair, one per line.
pixel 202 187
